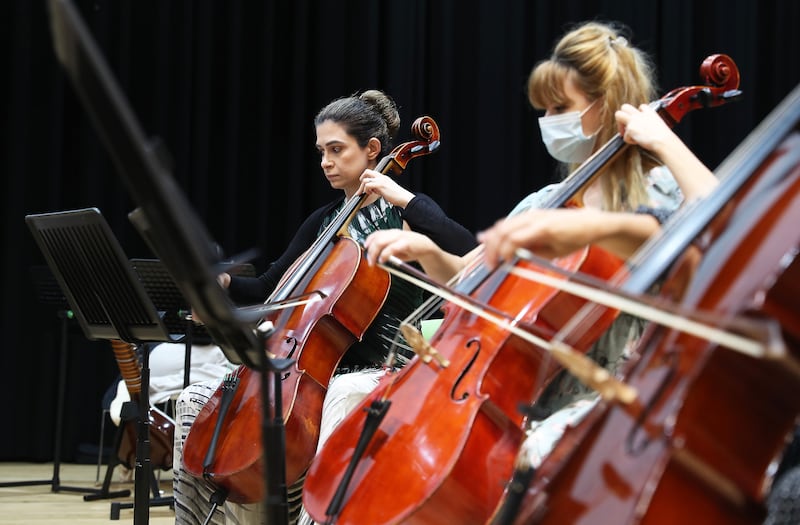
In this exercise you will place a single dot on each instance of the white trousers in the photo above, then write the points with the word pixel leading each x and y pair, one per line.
pixel 192 505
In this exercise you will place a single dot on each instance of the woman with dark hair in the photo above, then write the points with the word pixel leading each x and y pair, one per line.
pixel 353 134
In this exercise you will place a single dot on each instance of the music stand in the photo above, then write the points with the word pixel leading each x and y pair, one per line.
pixel 175 233
pixel 161 287
pixel 109 302
pixel 168 299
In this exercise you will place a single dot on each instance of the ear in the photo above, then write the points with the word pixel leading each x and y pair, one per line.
pixel 373 148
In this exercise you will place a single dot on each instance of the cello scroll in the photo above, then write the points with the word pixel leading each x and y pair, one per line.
pixel 722 76
pixel 426 131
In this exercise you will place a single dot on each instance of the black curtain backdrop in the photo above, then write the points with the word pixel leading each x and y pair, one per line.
pixel 231 87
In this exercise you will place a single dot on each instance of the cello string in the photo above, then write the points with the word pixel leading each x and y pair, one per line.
pixel 449 287
pixel 578 364
pixel 435 302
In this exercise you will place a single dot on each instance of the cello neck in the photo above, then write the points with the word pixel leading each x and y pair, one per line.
pixel 722 78
pixel 129 368
pixel 653 258
pixel 426 132
pixel 573 186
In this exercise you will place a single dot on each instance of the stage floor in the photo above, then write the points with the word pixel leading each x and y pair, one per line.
pixel 37 504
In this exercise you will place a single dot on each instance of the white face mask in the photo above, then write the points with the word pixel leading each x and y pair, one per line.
pixel 563 136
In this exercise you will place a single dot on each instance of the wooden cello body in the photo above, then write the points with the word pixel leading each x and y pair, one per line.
pixel 238 461
pixel 701 441
pixel 459 423
pixel 452 432
pixel 314 335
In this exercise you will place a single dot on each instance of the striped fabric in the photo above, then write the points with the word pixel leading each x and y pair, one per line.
pixel 345 393
pixel 193 495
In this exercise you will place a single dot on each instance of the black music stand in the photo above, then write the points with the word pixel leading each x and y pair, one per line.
pixel 49 294
pixel 168 299
pixel 109 302
pixel 166 296
pixel 174 232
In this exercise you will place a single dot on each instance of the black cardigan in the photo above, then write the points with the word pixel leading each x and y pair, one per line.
pixel 422 214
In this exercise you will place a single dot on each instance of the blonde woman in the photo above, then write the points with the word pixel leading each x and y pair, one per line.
pixel 594 85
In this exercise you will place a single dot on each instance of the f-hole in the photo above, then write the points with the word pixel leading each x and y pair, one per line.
pixel 453 395
pixel 294 343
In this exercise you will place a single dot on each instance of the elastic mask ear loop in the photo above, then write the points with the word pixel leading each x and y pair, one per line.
pixel 587 108
pixel 582 113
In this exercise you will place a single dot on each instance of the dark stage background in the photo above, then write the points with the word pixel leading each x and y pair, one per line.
pixel 232 86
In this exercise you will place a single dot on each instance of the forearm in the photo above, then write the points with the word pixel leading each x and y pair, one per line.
pixel 249 290
pixel 425 216
pixel 694 178
pixel 623 233
pixel 646 128
pixel 441 266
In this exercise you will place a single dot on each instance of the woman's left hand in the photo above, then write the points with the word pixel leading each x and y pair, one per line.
pixel 643 126
pixel 374 182
pixel 646 128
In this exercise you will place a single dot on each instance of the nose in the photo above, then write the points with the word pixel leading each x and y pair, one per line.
pixel 325 161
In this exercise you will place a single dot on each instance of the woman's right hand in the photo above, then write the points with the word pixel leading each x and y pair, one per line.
pixel 403 244
pixel 408 246
pixel 643 126
pixel 224 280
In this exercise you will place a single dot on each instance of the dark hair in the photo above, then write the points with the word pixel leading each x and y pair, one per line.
pixel 370 114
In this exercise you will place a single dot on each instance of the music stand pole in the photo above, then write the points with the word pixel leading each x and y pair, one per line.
pixel 55 481
pixel 143 476
pixel 144 468
pixel 62 388
pixel 187 355
pixel 273 435
pixel 65 315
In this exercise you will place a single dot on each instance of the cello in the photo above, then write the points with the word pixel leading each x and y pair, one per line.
pixel 162 427
pixel 455 427
pixel 700 440
pixel 224 443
